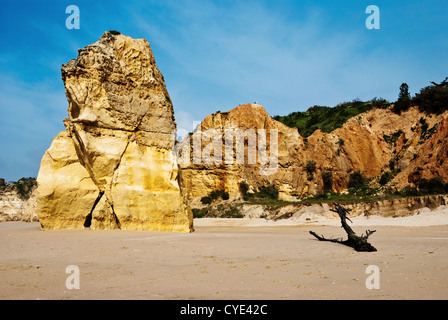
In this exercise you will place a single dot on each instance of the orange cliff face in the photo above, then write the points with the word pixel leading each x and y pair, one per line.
pixel 371 142
pixel 431 158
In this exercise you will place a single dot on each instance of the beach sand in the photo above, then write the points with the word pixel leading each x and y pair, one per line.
pixel 228 259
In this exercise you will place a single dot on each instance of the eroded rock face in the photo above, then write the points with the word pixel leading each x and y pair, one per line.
pixel 66 193
pixel 353 147
pixel 425 158
pixel 363 143
pixel 269 139
pixel 113 167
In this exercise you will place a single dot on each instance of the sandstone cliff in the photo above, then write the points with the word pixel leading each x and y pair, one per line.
pixel 201 176
pixel 373 142
pixel 114 167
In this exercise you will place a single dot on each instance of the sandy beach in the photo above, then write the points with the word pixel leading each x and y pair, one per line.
pixel 225 259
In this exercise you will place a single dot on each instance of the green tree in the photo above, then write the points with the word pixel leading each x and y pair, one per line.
pixel 404 99
pixel 434 98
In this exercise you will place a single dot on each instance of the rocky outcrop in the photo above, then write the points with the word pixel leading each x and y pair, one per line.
pixel 425 156
pixel 208 163
pixel 14 207
pixel 18 200
pixel 114 167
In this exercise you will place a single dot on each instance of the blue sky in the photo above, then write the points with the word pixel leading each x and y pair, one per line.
pixel 286 55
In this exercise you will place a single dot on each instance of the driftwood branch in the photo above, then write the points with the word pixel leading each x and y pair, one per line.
pixel 359 243
pixel 322 238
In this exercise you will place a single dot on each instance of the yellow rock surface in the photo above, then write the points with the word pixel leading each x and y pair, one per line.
pixel 145 191
pixel 114 166
pixel 65 193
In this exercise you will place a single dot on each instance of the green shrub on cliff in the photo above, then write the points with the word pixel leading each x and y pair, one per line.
pixel 433 98
pixel 244 187
pixel 269 191
pixel 328 119
pixel 214 195
pixel 23 186
pixel 434 185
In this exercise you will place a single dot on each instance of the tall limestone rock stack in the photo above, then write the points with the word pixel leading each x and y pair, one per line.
pixel 114 167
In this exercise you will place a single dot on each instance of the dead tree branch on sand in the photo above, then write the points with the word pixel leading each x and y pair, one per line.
pixel 354 241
